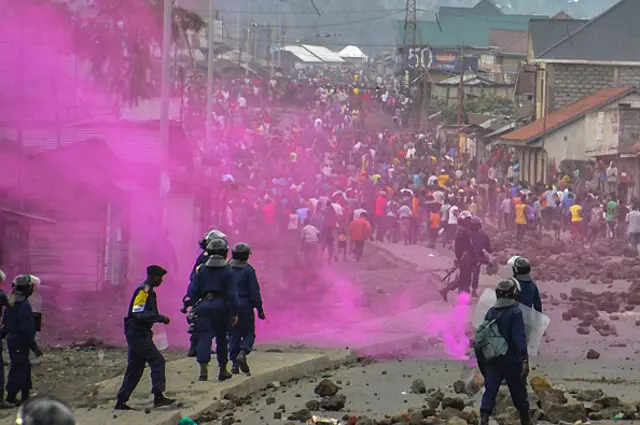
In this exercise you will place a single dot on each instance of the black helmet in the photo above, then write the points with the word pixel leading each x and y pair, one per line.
pixel 464 218
pixel 45 409
pixel 241 251
pixel 217 248
pixel 210 236
pixel 521 266
pixel 23 284
pixel 476 223
pixel 507 288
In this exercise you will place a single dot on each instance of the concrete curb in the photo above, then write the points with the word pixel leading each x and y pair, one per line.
pixel 203 397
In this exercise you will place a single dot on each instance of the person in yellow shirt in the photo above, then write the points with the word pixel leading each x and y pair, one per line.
pixel 520 214
pixel 576 222
pixel 443 178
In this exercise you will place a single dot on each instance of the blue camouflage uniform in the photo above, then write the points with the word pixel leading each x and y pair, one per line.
pixel 529 293
pixel 193 338
pixel 214 286
pixel 508 368
pixel 243 336
pixel 142 315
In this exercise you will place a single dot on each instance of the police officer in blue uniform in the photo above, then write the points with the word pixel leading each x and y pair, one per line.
pixel 19 329
pixel 3 303
pixel 513 367
pixel 188 303
pixel 142 315
pixel 529 293
pixel 214 290
pixel 243 336
pixel 482 245
pixel 465 256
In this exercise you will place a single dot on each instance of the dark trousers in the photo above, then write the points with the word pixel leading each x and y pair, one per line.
pixel 464 277
pixel 358 248
pixel 242 336
pixel 140 351
pixel 510 370
pixel 193 342
pixel 2 381
pixel 212 323
pixel 19 377
pixel 475 276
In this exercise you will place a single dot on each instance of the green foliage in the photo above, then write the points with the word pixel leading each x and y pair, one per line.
pixel 118 38
pixel 486 104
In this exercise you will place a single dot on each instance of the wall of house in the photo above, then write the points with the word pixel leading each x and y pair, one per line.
pixel 601 132
pixel 566 143
pixel 568 83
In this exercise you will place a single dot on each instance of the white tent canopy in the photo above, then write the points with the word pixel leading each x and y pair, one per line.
pixel 352 52
pixel 323 53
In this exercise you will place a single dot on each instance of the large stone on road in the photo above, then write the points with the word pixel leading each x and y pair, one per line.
pixel 326 388
pixel 565 413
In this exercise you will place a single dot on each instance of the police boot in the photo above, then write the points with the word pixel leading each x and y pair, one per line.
pixel 484 418
pixel 159 400
pixel 525 418
pixel 224 374
pixel 5 404
pixel 234 368
pixel 242 363
pixel 122 405
pixel 204 371
pixel 12 398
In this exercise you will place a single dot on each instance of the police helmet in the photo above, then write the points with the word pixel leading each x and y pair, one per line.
pixel 241 251
pixel 24 284
pixel 464 218
pixel 217 247
pixel 507 288
pixel 212 235
pixel 476 223
pixel 521 266
pixel 45 409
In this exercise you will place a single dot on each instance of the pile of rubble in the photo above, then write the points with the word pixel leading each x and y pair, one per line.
pixel 607 261
pixel 549 403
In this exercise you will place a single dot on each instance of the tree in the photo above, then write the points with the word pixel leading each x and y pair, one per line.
pixel 489 104
pixel 118 39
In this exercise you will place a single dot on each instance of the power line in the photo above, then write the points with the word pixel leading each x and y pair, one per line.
pixel 346 23
pixel 331 12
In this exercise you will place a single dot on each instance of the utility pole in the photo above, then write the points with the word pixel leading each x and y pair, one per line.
pixel 280 35
pixel 409 35
pixel 461 88
pixel 209 120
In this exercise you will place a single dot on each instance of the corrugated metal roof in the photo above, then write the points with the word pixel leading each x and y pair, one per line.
pixel 301 53
pixel 545 33
pixel 564 116
pixel 352 52
pixel 323 53
pixel 610 36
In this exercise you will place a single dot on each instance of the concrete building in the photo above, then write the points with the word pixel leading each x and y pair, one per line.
pixel 604 125
pixel 572 59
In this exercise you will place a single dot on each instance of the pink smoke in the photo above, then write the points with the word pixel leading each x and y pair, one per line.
pixel 452 326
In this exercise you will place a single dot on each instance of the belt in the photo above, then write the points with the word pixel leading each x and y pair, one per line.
pixel 213 296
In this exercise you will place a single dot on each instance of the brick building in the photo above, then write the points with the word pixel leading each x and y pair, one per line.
pixel 570 58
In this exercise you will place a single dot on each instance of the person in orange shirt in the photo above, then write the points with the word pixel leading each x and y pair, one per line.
pixel 359 231
pixel 434 228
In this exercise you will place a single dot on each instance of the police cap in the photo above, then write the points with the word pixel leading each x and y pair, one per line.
pixel 242 247
pixel 154 270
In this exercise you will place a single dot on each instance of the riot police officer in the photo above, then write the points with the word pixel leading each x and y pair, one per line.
pixel 19 329
pixel 482 246
pixel 142 315
pixel 188 303
pixel 214 288
pixel 529 293
pixel 514 365
pixel 465 256
pixel 243 335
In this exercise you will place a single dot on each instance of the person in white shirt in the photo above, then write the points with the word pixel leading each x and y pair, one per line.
pixel 309 235
pixel 404 217
pixel 452 223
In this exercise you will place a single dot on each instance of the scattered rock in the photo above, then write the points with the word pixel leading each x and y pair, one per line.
pixel 593 354
pixel 453 402
pixel 582 330
pixel 364 420
pixel 456 421
pixel 539 383
pixel 300 415
pixel 270 400
pixel 432 402
pixel 313 405
pixel 565 413
pixel 334 403
pixel 277 415
pixel 589 394
pixel 228 420
pixel 326 388
pixel 459 387
pixel 418 387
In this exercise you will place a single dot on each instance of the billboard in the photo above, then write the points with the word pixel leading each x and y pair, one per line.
pixel 432 59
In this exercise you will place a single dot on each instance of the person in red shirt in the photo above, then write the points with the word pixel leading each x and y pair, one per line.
pixel 359 231
pixel 381 212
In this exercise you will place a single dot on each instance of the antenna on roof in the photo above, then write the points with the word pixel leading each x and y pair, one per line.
pixel 569 37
